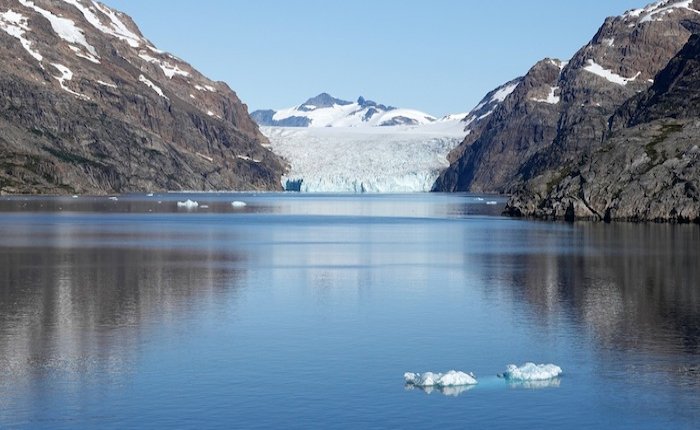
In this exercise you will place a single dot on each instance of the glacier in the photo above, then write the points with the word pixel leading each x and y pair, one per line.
pixel 398 159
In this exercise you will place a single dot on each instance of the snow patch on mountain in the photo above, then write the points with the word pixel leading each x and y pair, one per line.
pixel 501 94
pixel 107 84
pixel 657 10
pixel 152 86
pixel 551 99
pixel 116 26
pixel 365 159
pixel 169 70
pixel 597 69
pixel 205 88
pixel 67 75
pixel 15 24
pixel 64 28
pixel 326 111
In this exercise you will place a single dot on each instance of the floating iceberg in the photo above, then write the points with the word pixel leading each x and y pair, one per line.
pixel 239 204
pixel 188 204
pixel 452 378
pixel 531 372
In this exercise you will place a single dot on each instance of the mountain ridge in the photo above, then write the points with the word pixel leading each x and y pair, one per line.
pixel 89 105
pixel 325 110
pixel 559 113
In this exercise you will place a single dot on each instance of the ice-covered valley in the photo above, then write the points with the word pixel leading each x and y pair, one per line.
pixel 399 159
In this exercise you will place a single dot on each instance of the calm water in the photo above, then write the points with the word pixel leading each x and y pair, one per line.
pixel 305 311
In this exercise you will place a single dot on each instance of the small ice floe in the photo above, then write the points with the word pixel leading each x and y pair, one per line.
pixel 74 196
pixel 452 378
pixel 204 207
pixel 239 204
pixel 531 372
pixel 479 199
pixel 114 198
pixel 492 202
pixel 149 195
pixel 188 204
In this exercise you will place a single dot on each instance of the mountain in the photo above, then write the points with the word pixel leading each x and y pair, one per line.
pixel 649 165
pixel 367 157
pixel 559 113
pixel 325 110
pixel 89 105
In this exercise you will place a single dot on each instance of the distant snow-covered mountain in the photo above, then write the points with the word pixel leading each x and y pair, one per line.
pixel 325 110
pixel 331 149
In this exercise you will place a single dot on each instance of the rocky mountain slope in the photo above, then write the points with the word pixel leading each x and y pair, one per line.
pixel 325 110
pixel 88 105
pixel 649 165
pixel 559 113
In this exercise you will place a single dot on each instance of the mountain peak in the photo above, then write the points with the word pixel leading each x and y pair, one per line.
pixel 325 110
pixel 324 100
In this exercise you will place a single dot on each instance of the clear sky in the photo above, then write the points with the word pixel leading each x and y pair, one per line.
pixel 438 56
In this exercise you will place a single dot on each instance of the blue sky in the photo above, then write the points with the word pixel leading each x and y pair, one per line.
pixel 439 56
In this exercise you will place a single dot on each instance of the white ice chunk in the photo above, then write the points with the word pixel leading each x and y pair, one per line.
pixel 238 204
pixel 531 372
pixel 188 204
pixel 597 69
pixel 452 378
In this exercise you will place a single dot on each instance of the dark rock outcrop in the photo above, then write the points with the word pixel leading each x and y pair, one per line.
pixel 88 105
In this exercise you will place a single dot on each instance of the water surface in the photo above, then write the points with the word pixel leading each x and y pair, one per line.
pixel 304 311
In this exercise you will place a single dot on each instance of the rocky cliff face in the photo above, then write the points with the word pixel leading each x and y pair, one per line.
pixel 559 114
pixel 88 105
pixel 648 167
